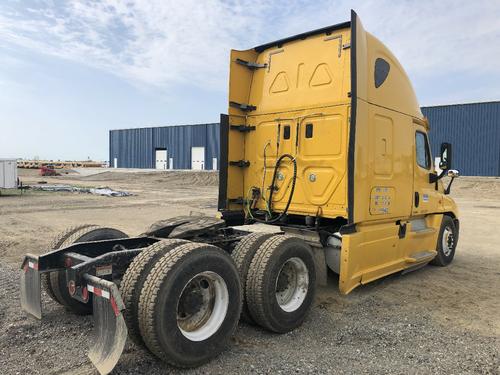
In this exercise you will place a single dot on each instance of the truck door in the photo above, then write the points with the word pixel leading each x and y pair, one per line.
pixel 425 197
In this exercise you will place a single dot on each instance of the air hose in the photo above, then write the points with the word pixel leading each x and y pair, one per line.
pixel 292 189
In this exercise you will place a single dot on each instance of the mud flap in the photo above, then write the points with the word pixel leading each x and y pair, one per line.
pixel 110 329
pixel 30 287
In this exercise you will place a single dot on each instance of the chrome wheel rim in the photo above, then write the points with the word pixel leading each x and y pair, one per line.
pixel 292 284
pixel 202 306
pixel 448 241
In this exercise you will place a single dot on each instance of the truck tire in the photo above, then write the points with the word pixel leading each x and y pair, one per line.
pixel 242 255
pixel 56 244
pixel 133 282
pixel 58 281
pixel 447 242
pixel 190 304
pixel 281 283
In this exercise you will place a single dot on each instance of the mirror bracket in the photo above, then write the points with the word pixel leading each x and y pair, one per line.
pixel 448 188
pixel 434 177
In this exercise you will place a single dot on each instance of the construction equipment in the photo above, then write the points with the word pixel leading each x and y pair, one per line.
pixel 324 141
pixel 48 170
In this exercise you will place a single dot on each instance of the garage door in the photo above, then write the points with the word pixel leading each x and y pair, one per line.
pixel 198 158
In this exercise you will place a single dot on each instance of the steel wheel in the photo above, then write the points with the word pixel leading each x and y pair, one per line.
pixel 292 284
pixel 448 241
pixel 202 306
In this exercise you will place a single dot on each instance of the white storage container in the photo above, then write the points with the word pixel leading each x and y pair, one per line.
pixel 8 173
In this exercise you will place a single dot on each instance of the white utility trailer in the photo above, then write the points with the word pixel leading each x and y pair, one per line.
pixel 8 173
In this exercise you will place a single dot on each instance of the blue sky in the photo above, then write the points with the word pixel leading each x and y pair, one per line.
pixel 72 70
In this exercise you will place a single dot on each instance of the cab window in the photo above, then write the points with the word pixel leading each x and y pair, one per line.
pixel 422 150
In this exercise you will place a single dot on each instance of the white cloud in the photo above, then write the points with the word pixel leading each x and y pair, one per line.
pixel 164 42
pixel 156 42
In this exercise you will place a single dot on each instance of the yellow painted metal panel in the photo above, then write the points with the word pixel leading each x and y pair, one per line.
pixel 303 74
pixel 321 160
pixel 382 143
pixel 305 83
pixel 372 252
pixel 396 92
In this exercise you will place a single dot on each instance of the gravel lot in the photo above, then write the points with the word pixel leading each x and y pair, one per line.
pixel 434 320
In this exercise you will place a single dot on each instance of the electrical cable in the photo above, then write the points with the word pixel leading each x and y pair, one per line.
pixel 293 159
pixel 292 189
pixel 263 196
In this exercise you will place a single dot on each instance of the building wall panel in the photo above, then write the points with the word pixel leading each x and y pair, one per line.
pixel 473 130
pixel 136 148
pixel 131 147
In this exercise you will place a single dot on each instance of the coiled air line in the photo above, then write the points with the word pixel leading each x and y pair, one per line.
pixel 292 189
pixel 270 220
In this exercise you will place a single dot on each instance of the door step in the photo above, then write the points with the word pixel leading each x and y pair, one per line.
pixel 420 257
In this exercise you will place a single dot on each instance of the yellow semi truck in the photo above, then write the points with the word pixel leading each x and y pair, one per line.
pixel 324 142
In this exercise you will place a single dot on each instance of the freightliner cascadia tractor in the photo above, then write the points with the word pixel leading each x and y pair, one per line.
pixel 325 144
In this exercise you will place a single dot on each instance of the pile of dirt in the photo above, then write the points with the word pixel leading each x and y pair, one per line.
pixel 191 178
pixel 187 178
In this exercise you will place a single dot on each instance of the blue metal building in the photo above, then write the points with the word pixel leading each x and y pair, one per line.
pixel 473 129
pixel 178 145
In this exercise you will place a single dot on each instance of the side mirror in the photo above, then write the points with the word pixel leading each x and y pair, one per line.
pixel 445 163
pixel 445 166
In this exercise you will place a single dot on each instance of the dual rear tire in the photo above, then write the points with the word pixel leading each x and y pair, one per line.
pixel 184 300
pixel 243 254
pixel 190 304
pixel 279 280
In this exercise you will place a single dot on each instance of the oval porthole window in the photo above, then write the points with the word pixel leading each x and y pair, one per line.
pixel 382 68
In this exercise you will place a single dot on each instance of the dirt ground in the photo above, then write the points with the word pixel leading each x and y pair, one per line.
pixel 434 320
